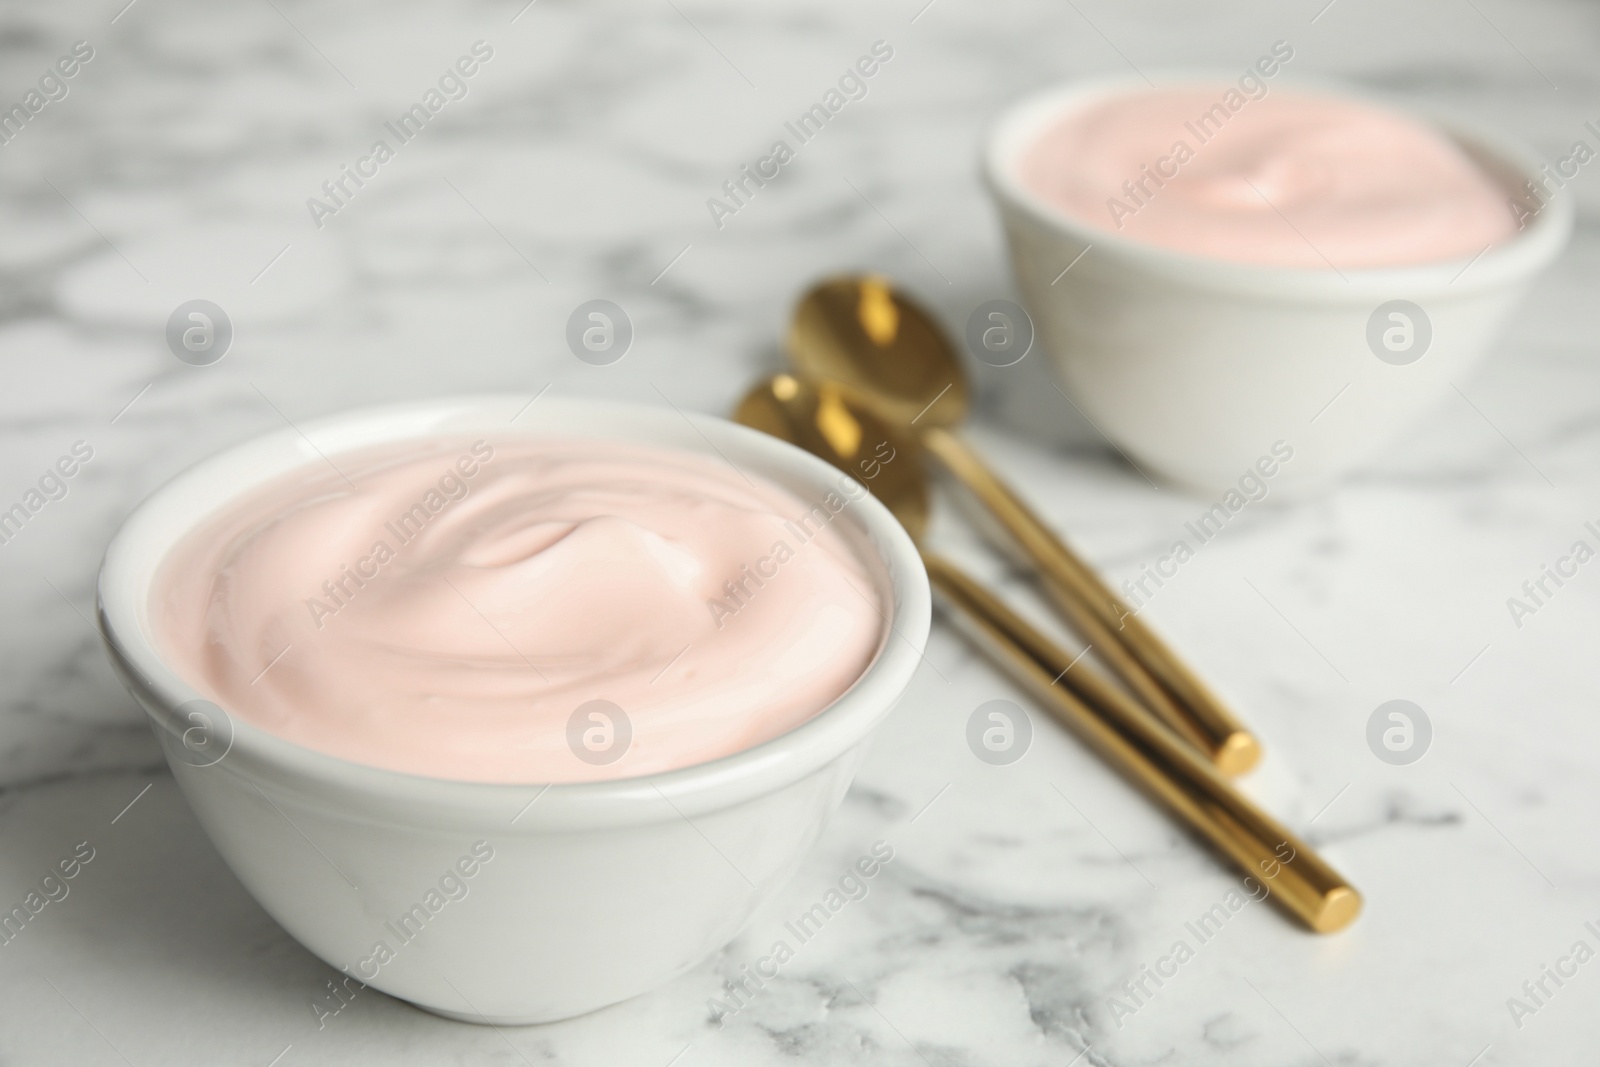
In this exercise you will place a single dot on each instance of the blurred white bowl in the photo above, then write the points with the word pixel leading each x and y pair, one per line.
pixel 592 892
pixel 1196 367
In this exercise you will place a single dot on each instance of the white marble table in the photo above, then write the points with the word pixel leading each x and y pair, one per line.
pixel 578 165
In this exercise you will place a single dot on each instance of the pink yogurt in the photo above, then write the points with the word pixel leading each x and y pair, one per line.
pixel 444 607
pixel 1287 179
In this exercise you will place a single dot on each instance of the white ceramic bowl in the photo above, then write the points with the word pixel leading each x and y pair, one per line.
pixel 594 892
pixel 1196 367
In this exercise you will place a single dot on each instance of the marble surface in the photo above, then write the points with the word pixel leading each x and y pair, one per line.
pixel 1021 898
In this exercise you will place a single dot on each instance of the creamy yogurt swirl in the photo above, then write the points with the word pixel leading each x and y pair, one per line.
pixel 452 608
pixel 1286 179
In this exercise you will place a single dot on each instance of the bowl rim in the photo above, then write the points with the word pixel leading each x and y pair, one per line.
pixel 1528 251
pixel 380 795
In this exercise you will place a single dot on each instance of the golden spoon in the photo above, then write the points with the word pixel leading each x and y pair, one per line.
pixel 888 355
pixel 824 423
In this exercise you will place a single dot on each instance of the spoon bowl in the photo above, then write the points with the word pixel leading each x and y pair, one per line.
pixel 881 348
pixel 819 420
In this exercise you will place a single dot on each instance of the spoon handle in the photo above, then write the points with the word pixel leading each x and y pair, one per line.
pixel 1129 647
pixel 1146 753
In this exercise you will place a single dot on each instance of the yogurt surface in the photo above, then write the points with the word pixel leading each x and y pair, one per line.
pixel 1285 179
pixel 521 610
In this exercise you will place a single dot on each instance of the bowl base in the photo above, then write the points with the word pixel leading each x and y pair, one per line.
pixel 497 1020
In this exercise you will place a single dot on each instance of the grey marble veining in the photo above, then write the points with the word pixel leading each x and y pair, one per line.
pixel 579 164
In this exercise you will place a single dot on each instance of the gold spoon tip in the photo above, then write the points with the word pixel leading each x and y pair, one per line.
pixel 1238 753
pixel 1339 909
